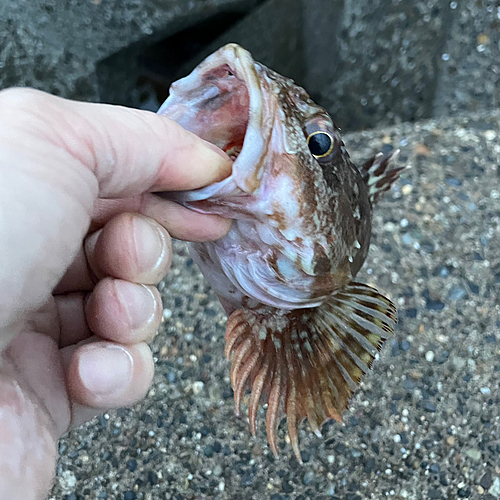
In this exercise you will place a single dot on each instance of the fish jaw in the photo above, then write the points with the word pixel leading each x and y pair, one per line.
pixel 221 95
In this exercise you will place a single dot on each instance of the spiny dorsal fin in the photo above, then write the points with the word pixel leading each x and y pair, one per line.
pixel 306 362
pixel 377 174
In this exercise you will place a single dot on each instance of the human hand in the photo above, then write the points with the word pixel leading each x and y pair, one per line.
pixel 82 244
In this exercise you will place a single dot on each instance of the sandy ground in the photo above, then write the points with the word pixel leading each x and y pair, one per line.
pixel 426 421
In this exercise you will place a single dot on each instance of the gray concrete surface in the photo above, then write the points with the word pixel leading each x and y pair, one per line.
pixel 426 422
pixel 56 45
pixel 368 61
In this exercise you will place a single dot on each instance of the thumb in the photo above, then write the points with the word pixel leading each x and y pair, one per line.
pixel 128 150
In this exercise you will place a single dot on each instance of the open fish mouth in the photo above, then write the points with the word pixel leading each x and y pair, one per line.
pixel 222 102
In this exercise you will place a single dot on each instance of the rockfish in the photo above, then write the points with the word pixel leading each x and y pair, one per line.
pixel 301 332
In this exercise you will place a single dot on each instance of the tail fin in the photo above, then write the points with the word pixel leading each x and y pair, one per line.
pixel 306 362
pixel 377 175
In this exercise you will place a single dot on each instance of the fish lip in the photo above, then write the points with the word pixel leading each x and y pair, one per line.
pixel 248 166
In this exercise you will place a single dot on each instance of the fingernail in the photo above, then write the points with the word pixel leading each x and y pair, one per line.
pixel 105 369
pixel 219 151
pixel 150 244
pixel 138 301
pixel 225 167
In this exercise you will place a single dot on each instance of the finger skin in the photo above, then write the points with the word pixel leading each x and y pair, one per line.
pixel 36 358
pixel 157 155
pixel 124 312
pixel 28 441
pixel 195 226
pixel 72 318
pixel 58 158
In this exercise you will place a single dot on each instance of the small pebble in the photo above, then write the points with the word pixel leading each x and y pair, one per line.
pixel 429 356
pixel 167 314
pixel 308 478
pixel 485 390
pixel 197 387
pixel 434 468
pixel 405 345
pixel 490 135
pixel 473 453
pixel 407 239
pixel 456 293
pixel 458 362
pixel 486 480
pixel 430 407
pixel 67 480
pixel 495 488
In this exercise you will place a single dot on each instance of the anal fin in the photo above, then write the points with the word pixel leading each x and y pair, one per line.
pixel 307 362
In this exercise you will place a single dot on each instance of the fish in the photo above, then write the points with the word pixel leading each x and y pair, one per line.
pixel 301 331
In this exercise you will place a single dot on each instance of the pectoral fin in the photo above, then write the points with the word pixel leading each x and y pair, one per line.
pixel 377 174
pixel 307 362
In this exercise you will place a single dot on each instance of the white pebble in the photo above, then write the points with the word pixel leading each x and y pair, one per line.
pixel 397 438
pixel 67 480
pixel 167 314
pixel 490 135
pixel 198 387
pixel 429 356
pixel 485 390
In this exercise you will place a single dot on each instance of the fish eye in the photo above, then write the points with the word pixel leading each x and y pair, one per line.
pixel 320 144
